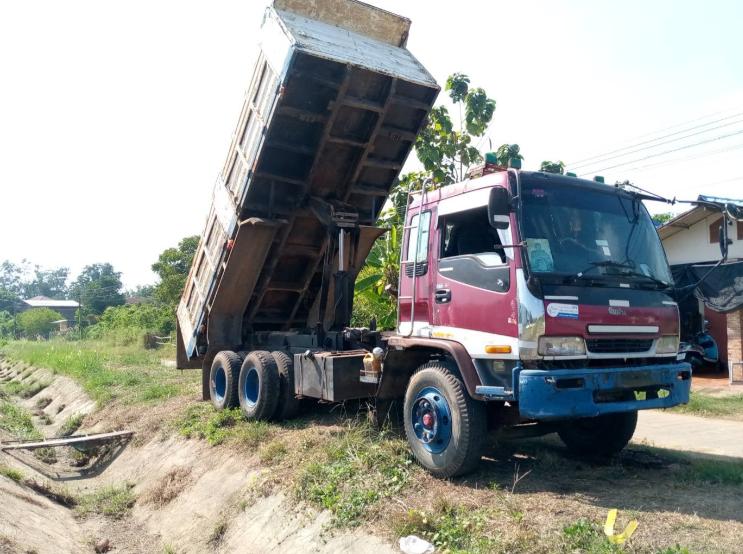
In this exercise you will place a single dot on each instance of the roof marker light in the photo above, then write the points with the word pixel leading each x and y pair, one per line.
pixel 599 178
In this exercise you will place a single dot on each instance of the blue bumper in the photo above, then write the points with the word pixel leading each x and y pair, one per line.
pixel 567 393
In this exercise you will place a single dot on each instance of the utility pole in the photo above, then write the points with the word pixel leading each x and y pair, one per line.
pixel 80 313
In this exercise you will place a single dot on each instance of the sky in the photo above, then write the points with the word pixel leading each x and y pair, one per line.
pixel 115 117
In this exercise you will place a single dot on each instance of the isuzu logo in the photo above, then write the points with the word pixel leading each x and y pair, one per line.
pixel 613 310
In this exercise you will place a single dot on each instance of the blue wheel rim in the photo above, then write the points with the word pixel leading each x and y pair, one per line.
pixel 220 384
pixel 251 387
pixel 431 418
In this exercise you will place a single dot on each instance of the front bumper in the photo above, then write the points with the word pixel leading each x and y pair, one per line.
pixel 567 393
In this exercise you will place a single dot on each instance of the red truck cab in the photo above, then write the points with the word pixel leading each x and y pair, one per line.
pixel 558 289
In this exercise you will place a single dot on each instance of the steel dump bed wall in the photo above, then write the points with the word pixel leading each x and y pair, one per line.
pixel 332 111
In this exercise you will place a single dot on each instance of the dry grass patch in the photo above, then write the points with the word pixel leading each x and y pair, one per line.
pixel 169 487
pixel 114 502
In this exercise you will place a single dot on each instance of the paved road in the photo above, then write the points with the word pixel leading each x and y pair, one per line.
pixel 690 433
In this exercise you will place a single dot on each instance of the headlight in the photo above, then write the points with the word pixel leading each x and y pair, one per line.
pixel 667 344
pixel 562 346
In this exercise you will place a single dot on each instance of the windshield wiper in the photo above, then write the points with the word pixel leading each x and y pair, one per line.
pixel 594 265
pixel 633 273
pixel 628 270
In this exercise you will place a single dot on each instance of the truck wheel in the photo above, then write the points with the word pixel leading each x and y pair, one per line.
pixel 258 386
pixel 223 380
pixel 444 426
pixel 600 436
pixel 288 403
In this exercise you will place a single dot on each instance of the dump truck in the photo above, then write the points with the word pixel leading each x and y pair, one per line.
pixel 527 301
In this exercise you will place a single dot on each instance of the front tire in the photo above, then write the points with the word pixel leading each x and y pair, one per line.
pixel 258 386
pixel 445 428
pixel 223 380
pixel 601 436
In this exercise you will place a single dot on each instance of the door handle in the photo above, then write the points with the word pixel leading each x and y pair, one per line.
pixel 442 296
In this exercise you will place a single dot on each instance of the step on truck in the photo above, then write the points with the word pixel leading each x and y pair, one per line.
pixel 528 301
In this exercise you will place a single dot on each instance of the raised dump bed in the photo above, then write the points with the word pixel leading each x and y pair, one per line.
pixel 332 111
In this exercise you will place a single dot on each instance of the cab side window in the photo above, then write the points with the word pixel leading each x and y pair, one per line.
pixel 415 250
pixel 469 233
pixel 472 251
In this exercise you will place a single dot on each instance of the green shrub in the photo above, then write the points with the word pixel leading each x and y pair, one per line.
pixel 131 321
pixel 37 321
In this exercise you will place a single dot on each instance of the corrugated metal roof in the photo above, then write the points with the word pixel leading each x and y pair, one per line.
pixel 693 216
pixel 45 302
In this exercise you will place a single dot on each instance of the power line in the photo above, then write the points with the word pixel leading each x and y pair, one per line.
pixel 707 141
pixel 687 158
pixel 601 158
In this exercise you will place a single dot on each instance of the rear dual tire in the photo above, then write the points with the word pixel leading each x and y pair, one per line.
pixel 261 383
pixel 258 385
pixel 223 378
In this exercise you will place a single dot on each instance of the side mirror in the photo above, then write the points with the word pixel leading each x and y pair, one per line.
pixel 499 207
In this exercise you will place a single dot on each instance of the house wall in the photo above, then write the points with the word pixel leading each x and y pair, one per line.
pixel 692 245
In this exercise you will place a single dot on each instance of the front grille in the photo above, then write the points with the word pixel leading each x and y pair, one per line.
pixel 618 346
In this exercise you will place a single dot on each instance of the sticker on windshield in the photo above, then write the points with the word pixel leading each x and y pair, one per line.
pixel 604 245
pixel 562 310
pixel 540 255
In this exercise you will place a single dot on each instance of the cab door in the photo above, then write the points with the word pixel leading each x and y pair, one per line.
pixel 415 291
pixel 474 286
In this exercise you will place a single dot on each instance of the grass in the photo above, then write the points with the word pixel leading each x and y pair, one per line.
pixel 273 452
pixel 204 422
pixel 169 487
pixel 708 471
pixel 17 421
pixel 70 425
pixel 24 389
pixel 218 532
pixel 11 473
pixel 450 528
pixel 587 537
pixel 353 470
pixel 113 501
pixel 108 370
pixel 713 406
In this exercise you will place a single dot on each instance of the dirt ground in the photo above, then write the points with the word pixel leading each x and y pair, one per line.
pixel 195 497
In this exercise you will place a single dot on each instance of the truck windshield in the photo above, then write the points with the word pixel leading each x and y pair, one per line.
pixel 576 232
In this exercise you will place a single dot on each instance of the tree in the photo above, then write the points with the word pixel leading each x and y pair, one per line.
pixel 6 324
pixel 662 219
pixel 47 282
pixel 508 152
pixel 97 287
pixel 444 151
pixel 553 167
pixel 144 293
pixel 8 300
pixel 11 276
pixel 172 266
pixel 37 321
